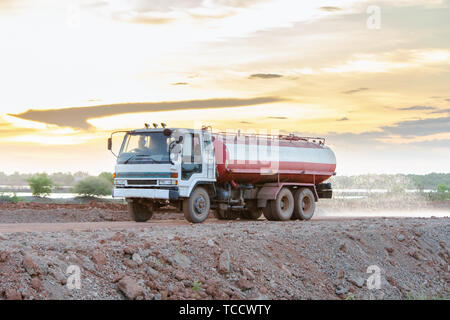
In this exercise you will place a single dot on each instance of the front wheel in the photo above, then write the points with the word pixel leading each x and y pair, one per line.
pixel 196 207
pixel 139 210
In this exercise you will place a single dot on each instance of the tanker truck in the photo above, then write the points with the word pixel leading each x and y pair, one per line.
pixel 234 174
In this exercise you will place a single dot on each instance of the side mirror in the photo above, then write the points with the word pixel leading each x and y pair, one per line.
pixel 180 139
pixel 109 143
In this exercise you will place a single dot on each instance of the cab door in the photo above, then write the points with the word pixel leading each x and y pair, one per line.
pixel 208 155
pixel 191 158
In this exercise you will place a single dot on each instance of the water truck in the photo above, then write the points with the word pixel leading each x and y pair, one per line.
pixel 234 174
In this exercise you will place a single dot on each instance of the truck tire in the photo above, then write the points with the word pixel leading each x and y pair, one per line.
pixel 252 214
pixel 139 211
pixel 283 206
pixel 304 204
pixel 196 207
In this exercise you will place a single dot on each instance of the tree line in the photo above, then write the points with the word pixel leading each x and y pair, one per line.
pixel 42 184
pixel 85 184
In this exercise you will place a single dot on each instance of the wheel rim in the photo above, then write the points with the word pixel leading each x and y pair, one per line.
pixel 306 204
pixel 200 205
pixel 284 203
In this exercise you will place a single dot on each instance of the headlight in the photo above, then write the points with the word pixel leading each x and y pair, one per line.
pixel 119 182
pixel 167 181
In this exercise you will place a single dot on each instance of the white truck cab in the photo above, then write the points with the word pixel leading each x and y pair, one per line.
pixel 156 166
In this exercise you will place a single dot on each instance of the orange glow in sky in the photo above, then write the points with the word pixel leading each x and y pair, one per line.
pixel 375 85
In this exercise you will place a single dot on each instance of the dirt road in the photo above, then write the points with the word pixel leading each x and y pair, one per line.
pixel 124 225
pixel 169 258
pixel 82 226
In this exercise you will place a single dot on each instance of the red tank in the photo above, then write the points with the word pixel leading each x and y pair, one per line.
pixel 253 159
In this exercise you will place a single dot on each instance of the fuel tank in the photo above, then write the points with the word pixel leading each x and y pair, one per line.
pixel 256 159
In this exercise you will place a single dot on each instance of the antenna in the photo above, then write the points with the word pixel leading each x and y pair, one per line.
pixel 155 125
pixel 163 125
pixel 146 125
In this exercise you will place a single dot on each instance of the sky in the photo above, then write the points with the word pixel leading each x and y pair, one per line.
pixel 372 77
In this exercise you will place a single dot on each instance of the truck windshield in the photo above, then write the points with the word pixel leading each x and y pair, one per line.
pixel 145 147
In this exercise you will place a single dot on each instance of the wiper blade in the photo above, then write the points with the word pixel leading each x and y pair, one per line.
pixel 147 158
pixel 126 161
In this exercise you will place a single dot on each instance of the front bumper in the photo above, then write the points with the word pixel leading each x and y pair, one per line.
pixel 146 193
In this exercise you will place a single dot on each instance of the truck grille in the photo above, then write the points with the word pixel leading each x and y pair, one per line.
pixel 141 182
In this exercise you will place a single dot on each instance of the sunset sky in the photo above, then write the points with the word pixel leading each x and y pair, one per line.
pixel 372 77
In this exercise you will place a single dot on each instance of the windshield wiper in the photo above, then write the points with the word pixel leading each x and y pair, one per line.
pixel 147 159
pixel 126 161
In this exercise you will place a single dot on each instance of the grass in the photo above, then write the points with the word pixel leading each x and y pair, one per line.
pixel 196 286
pixel 350 296
pixel 413 296
pixel 11 199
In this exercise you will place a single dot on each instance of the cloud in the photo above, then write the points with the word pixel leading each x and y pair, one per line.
pixel 330 8
pixel 168 11
pixel 419 127
pixel 146 19
pixel 355 90
pixel 418 108
pixel 76 117
pixel 342 119
pixel 180 84
pixel 265 76
pixel 435 143
pixel 393 60
pixel 7 130
pixel 143 12
pixel 277 118
pixel 442 111
pixel 409 130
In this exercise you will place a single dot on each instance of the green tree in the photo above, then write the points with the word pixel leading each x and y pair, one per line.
pixel 93 187
pixel 108 176
pixel 40 184
pixel 443 188
pixel 443 191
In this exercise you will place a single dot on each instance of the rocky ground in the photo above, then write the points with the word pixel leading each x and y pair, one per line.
pixel 321 259
pixel 94 211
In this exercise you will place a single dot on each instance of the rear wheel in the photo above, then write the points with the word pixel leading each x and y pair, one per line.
pixel 196 207
pixel 283 206
pixel 304 204
pixel 140 210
